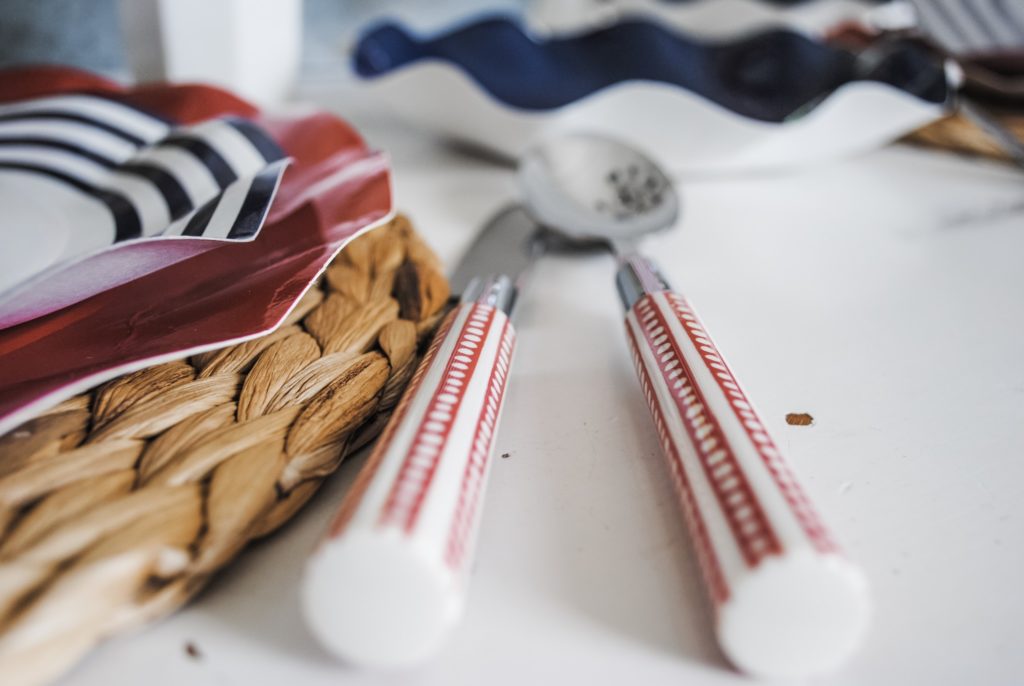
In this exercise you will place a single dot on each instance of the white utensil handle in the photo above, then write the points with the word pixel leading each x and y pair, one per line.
pixel 387 582
pixel 787 603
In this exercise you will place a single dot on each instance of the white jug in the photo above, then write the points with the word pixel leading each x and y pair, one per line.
pixel 251 47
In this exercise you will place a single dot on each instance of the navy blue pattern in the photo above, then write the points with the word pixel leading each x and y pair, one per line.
pixel 131 205
pixel 127 224
pixel 86 120
pixel 41 142
pixel 222 172
pixel 768 76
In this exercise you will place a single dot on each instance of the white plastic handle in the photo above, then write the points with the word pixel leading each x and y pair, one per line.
pixel 387 582
pixel 788 604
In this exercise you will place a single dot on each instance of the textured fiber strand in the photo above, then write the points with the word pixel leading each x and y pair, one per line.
pixel 960 134
pixel 117 506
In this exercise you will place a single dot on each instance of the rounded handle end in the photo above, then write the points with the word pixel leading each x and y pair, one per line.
pixel 795 616
pixel 372 601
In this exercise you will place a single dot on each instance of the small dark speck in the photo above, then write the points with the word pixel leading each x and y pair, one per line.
pixel 192 650
pixel 505 456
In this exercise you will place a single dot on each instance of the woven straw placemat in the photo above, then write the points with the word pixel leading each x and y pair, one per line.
pixel 118 505
pixel 960 134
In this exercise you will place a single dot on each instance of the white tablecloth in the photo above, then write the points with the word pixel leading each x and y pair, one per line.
pixel 884 295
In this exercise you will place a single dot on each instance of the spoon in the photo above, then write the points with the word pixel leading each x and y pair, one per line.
pixel 788 603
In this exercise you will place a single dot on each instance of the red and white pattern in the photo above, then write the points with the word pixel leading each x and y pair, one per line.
pixel 739 496
pixel 758 434
pixel 381 448
pixel 435 427
pixel 710 567
pixel 743 512
pixel 426 477
pixel 474 478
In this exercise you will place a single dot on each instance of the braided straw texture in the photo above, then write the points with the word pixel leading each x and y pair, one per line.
pixel 117 506
pixel 959 134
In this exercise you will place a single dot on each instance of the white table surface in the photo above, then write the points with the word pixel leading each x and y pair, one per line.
pixel 884 295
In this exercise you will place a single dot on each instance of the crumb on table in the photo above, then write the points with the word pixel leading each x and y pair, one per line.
pixel 799 419
pixel 192 650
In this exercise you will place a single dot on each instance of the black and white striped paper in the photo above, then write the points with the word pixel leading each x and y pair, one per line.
pixel 81 173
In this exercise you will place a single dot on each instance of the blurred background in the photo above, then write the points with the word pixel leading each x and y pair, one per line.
pixel 88 33
pixel 499 74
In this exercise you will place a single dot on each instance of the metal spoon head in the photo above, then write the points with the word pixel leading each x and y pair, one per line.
pixel 588 187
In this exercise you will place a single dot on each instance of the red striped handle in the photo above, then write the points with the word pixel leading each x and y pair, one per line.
pixel 787 603
pixel 399 548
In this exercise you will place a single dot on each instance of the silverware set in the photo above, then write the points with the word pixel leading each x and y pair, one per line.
pixel 388 581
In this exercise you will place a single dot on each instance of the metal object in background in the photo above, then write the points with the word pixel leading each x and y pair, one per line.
pixel 994 129
pixel 972 32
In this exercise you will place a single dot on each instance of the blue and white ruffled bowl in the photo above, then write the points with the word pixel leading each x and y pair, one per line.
pixel 767 98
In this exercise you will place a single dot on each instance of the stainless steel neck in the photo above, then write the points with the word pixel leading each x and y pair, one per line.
pixel 496 290
pixel 636 277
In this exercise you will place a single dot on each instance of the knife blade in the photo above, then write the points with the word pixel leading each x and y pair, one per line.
pixel 387 582
pixel 507 246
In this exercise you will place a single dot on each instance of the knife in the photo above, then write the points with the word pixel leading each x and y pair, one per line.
pixel 388 580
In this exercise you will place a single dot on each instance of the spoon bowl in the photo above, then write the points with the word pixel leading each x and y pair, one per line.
pixel 587 187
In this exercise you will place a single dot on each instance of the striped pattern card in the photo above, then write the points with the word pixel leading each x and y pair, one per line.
pixel 83 176
pixel 177 295
pixel 973 27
